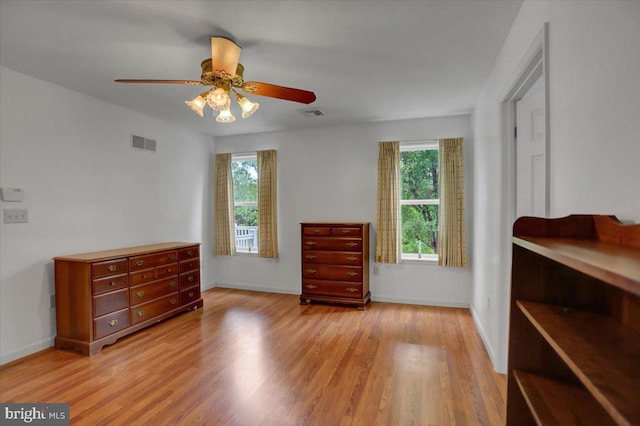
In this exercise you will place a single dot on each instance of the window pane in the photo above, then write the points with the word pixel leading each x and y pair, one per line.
pixel 419 175
pixel 420 229
pixel 246 230
pixel 245 180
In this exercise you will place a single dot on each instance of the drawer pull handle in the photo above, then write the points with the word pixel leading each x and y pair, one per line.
pixel 139 262
pixel 140 313
pixel 140 293
pixel 190 278
pixel 112 268
pixel 311 271
pixel 142 276
pixel 311 243
pixel 317 231
pixel 172 284
pixel 352 244
pixel 113 323
pixel 190 252
pixel 352 258
pixel 310 256
pixel 351 289
pixel 112 283
pixel 190 294
pixel 169 270
pixel 310 286
pixel 352 274
pixel 173 301
pixel 346 231
pixel 172 256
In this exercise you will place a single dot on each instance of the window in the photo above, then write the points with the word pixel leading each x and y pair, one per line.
pixel 419 200
pixel 244 169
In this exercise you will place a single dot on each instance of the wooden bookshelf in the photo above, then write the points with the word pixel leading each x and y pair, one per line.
pixel 574 343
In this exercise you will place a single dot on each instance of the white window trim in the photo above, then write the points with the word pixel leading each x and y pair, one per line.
pixel 244 157
pixel 422 145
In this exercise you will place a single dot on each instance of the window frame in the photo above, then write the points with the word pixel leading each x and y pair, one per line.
pixel 423 145
pixel 245 157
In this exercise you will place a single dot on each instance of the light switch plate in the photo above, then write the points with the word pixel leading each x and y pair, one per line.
pixel 12 194
pixel 16 216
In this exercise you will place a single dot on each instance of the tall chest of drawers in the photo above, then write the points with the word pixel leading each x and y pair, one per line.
pixel 103 296
pixel 335 263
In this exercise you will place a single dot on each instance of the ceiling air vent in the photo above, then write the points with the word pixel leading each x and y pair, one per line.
pixel 139 142
pixel 312 112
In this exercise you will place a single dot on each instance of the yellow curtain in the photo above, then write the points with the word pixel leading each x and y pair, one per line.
pixel 267 204
pixel 452 242
pixel 388 203
pixel 225 242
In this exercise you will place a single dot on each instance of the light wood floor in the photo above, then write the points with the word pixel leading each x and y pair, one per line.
pixel 252 358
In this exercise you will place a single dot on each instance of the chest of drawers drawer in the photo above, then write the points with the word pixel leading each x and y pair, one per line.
pixel 332 272
pixel 189 265
pixel 189 295
pixel 332 288
pixel 109 324
pixel 110 267
pixel 334 244
pixel 145 311
pixel 190 279
pixel 189 253
pixel 144 293
pixel 332 257
pixel 109 302
pixel 150 260
pixel 104 285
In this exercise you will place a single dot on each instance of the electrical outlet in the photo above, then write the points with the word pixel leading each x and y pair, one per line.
pixel 52 301
pixel 16 216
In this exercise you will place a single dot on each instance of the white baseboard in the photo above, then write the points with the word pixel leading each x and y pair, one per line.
pixel 424 302
pixel 27 350
pixel 263 289
pixel 486 342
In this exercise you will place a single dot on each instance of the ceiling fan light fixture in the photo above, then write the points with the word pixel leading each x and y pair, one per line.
pixel 219 99
pixel 248 107
pixel 197 104
pixel 225 116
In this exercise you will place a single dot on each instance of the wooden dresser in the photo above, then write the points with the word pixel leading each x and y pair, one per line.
pixel 103 296
pixel 335 263
pixel 574 343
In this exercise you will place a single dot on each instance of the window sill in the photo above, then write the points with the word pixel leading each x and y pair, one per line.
pixel 431 259
pixel 246 253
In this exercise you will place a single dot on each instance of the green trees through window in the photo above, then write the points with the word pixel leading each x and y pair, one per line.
pixel 419 175
pixel 245 191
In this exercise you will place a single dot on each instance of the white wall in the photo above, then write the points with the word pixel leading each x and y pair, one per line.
pixel 329 174
pixel 594 80
pixel 85 190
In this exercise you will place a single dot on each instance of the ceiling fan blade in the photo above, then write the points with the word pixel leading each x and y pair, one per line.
pixel 224 55
pixel 190 82
pixel 280 92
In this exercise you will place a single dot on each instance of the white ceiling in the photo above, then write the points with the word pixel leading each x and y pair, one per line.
pixel 365 60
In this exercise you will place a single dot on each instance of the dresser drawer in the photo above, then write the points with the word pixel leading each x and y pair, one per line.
pixel 150 260
pixel 141 277
pixel 189 295
pixel 106 284
pixel 144 293
pixel 332 257
pixel 167 270
pixel 111 323
pixel 109 302
pixel 331 288
pixel 316 230
pixel 189 265
pixel 110 267
pixel 334 244
pixel 189 252
pixel 332 272
pixel 346 232
pixel 190 279
pixel 156 307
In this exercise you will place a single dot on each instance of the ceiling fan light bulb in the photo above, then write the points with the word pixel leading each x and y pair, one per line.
pixel 225 116
pixel 248 107
pixel 197 105
pixel 219 99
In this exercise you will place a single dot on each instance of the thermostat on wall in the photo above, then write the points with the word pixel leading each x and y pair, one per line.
pixel 12 194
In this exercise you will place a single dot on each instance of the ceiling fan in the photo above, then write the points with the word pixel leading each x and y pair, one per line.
pixel 225 74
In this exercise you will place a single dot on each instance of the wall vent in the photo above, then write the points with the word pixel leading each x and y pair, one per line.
pixel 312 112
pixel 138 142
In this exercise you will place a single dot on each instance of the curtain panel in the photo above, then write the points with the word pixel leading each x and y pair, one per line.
pixel 452 241
pixel 225 242
pixel 388 203
pixel 267 204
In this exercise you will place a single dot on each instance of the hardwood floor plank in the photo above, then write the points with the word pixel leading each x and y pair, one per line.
pixel 251 358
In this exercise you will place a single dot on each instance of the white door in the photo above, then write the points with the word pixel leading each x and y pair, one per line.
pixel 531 173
